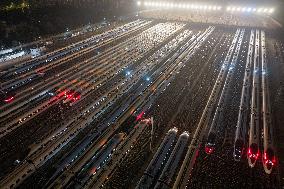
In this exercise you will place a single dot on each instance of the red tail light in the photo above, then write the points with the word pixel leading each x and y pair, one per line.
pixel 94 170
pixel 209 150
pixel 139 116
pixel 269 160
pixel 76 98
pixel 253 155
pixel 69 96
pixel 249 153
pixel 10 99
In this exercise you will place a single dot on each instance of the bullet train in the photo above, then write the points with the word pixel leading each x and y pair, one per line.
pixel 268 157
pixel 167 176
pixel 104 154
pixel 218 118
pixel 210 144
pixel 159 160
pixel 22 82
pixel 254 132
pixel 241 129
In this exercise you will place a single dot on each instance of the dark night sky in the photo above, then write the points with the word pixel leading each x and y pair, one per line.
pixel 278 4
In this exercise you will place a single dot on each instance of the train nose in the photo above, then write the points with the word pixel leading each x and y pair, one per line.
pixel 268 166
pixel 252 160
pixel 237 155
pixel 253 154
pixel 268 161
pixel 238 150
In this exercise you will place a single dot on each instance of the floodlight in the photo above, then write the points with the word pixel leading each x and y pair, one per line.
pixel 234 8
pixel 214 7
pixel 254 9
pixel 229 8
pixel 239 9
pixel 210 7
pixel 249 9
pixel 260 10
pixel 138 3
pixel 219 8
pixel 271 10
pixel 243 9
pixel 265 10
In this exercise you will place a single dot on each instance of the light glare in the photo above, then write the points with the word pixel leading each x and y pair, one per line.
pixel 266 10
pixel 208 7
pixel 271 10
pixel 259 10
